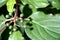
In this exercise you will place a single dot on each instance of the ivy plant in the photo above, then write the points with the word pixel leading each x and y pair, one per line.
pixel 29 20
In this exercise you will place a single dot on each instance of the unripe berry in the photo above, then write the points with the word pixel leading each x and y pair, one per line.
pixel 10 27
pixel 27 19
pixel 10 14
pixel 21 15
pixel 24 26
pixel 21 21
pixel 16 19
pixel 14 29
pixel 7 24
pixel 7 16
pixel 10 32
pixel 51 14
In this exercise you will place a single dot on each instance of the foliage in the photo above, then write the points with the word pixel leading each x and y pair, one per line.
pixel 29 20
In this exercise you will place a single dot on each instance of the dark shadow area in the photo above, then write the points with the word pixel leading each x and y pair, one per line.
pixel 29 24
pixel 3 10
pixel 5 34
pixel 27 11
pixel 22 30
pixel 31 28
pixel 26 37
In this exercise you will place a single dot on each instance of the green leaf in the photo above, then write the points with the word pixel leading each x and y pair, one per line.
pixel 36 3
pixel 2 2
pixel 2 23
pixel 45 27
pixel 16 36
pixel 55 3
pixel 10 5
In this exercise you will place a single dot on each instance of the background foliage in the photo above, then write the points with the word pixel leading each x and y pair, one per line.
pixel 36 20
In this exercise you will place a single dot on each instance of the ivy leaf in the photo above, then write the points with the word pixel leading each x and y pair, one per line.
pixel 36 3
pixel 55 3
pixel 2 2
pixel 45 27
pixel 16 36
pixel 10 5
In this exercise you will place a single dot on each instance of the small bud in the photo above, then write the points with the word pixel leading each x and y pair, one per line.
pixel 24 26
pixel 20 18
pixel 51 14
pixel 21 15
pixel 16 19
pixel 27 19
pixel 10 32
pixel 10 27
pixel 7 24
pixel 14 29
pixel 10 14
pixel 7 16
pixel 21 21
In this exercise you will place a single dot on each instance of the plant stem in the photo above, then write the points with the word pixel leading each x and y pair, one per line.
pixel 16 13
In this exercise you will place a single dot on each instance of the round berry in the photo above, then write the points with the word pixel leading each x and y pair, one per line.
pixel 10 27
pixel 7 16
pixel 10 14
pixel 7 24
pixel 21 15
pixel 14 29
pixel 10 32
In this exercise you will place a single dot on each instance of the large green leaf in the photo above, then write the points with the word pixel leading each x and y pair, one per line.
pixel 16 36
pixel 2 2
pixel 36 3
pixel 55 3
pixel 45 27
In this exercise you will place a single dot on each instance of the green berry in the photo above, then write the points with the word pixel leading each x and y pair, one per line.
pixel 10 32
pixel 21 21
pixel 51 14
pixel 10 14
pixel 27 19
pixel 21 15
pixel 24 26
pixel 14 29
pixel 7 24
pixel 10 27
pixel 7 16
pixel 16 19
